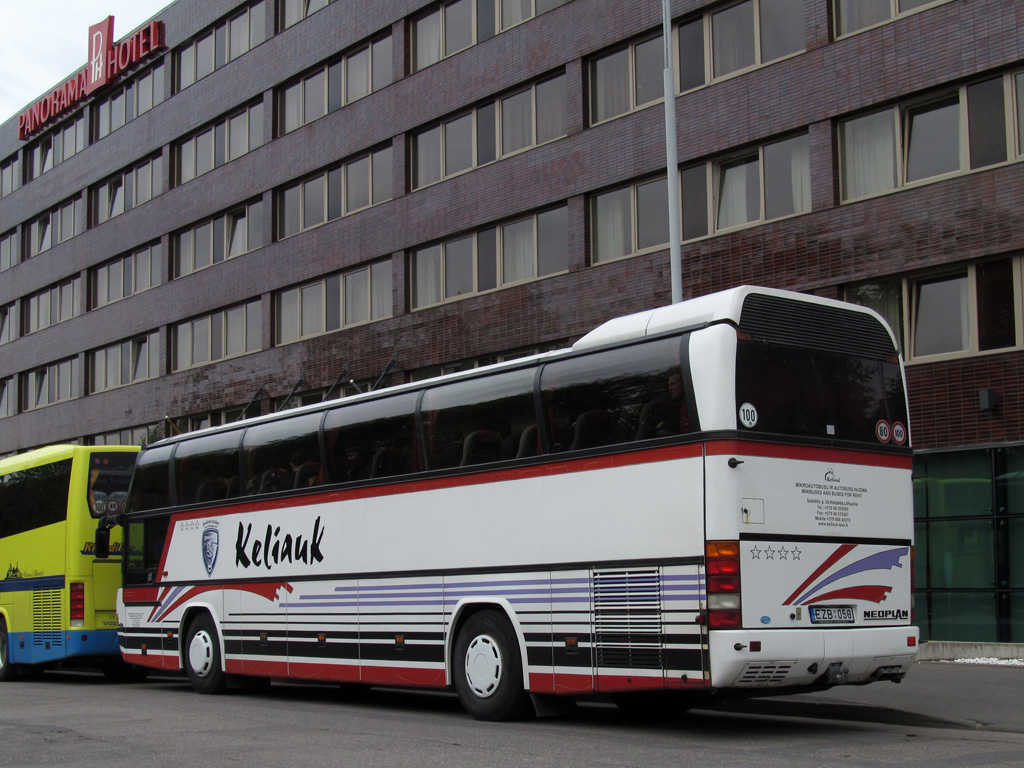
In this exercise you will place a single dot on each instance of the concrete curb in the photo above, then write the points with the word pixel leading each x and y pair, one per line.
pixel 947 651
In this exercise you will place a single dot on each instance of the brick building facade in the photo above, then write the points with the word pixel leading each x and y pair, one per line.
pixel 303 187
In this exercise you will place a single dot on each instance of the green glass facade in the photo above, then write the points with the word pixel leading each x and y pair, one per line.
pixel 969 557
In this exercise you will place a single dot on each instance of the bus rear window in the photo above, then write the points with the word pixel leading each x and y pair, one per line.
pixel 787 390
pixel 110 475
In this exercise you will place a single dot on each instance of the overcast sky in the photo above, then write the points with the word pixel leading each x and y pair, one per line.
pixel 45 41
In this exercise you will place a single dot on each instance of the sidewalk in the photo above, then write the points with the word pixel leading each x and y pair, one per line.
pixel 933 694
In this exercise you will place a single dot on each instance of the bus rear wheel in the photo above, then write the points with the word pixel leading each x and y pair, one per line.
pixel 7 670
pixel 202 656
pixel 488 669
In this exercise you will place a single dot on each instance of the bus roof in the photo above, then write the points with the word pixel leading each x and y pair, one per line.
pixel 51 453
pixel 722 307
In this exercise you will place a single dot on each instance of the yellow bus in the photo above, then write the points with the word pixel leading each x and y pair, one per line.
pixel 57 600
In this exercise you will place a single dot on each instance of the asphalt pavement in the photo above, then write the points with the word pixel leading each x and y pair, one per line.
pixel 933 694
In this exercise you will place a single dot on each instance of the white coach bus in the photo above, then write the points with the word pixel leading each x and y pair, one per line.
pixel 700 499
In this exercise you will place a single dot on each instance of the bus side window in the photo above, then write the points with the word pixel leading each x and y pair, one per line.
pixel 283 455
pixel 615 396
pixel 478 421
pixel 372 439
pixel 206 468
pixel 151 488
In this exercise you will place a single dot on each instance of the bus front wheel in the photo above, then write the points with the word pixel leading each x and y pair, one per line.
pixel 202 656
pixel 488 669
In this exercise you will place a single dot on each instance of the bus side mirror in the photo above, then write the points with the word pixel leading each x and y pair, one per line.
pixel 102 548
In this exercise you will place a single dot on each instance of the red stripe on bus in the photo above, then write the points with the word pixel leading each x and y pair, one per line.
pixel 807 453
pixel 552 468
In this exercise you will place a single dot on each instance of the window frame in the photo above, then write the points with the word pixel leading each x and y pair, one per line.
pixel 908 308
pixel 215 322
pixel 499 259
pixel 130 349
pixel 901 116
pixel 336 174
pixel 497 104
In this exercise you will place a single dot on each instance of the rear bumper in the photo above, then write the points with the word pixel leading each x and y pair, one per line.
pixel 800 657
pixel 43 647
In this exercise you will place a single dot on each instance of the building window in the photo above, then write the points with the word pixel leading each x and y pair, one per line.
pixel 124 276
pixel 219 143
pixel 433 371
pixel 8 397
pixel 216 418
pixel 51 306
pixel 954 133
pixel 294 11
pixel 8 250
pixel 514 122
pixel 55 226
pixel 626 79
pixel 215 46
pixel 855 15
pixel 222 334
pixel 55 146
pixel 364 69
pixel 10 179
pixel 223 237
pixel 886 298
pixel 129 100
pixel 50 384
pixel 512 252
pixel 766 183
pixel 630 219
pixel 336 192
pixel 142 436
pixel 124 363
pixel 126 190
pixel 341 300
pixel 452 27
pixel 8 323
pixel 974 309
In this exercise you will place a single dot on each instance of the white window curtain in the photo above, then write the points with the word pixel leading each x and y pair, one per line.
pixel 732 35
pixel 357 291
pixel 516 122
pixel 869 155
pixel 787 177
pixel 428 157
pixel 736 203
pixel 428 40
pixel 551 109
pixel 612 225
pixel 610 86
pixel 514 11
pixel 427 276
pixel 380 290
pixel 517 251
pixel 857 14
pixel 357 75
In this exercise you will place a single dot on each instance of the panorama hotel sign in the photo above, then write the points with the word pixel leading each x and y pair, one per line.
pixel 107 60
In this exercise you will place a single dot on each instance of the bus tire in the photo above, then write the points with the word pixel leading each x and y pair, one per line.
pixel 8 671
pixel 488 670
pixel 202 656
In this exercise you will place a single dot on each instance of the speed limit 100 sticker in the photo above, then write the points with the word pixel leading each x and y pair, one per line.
pixel 748 416
pixel 882 431
pixel 899 433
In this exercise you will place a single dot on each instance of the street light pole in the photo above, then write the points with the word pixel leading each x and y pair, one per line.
pixel 671 160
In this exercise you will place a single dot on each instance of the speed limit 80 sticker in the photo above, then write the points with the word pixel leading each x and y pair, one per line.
pixel 897 432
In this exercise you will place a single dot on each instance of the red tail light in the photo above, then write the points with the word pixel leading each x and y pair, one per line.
pixel 77 604
pixel 722 565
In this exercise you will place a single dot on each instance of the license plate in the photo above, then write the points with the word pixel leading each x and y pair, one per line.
pixel 832 614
